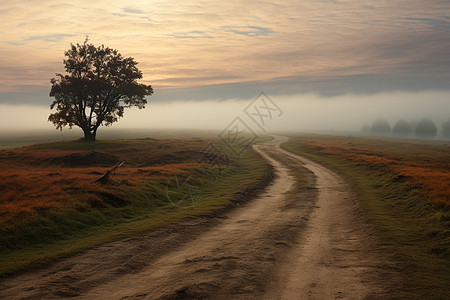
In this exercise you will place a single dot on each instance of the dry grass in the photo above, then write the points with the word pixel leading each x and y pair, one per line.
pixel 51 207
pixel 426 167
pixel 35 180
pixel 402 187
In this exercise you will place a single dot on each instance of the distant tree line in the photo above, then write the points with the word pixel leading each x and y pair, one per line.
pixel 424 128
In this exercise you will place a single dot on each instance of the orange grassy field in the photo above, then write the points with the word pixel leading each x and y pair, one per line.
pixel 52 207
pixel 402 187
pixel 52 177
pixel 424 166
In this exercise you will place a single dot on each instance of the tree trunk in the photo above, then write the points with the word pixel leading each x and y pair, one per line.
pixel 88 135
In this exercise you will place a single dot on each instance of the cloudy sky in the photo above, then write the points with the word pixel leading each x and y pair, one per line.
pixel 220 50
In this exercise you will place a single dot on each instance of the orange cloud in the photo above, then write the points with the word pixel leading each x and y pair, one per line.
pixel 193 44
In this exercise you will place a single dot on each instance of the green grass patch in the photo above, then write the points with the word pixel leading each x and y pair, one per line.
pixel 413 231
pixel 83 145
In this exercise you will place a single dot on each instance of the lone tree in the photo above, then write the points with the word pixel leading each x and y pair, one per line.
pixel 100 83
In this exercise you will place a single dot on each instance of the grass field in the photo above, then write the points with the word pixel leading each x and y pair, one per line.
pixel 403 187
pixel 51 206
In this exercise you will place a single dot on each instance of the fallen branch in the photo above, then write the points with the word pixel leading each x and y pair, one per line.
pixel 105 178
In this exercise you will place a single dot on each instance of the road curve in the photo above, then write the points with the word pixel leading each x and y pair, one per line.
pixel 292 242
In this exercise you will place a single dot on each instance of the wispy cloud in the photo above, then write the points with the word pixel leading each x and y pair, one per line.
pixel 235 46
pixel 248 30
pixel 12 43
pixel 195 34
pixel 132 10
pixel 49 37
pixel 132 13
pixel 435 23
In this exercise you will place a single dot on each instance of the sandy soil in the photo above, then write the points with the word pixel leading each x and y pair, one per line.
pixel 291 242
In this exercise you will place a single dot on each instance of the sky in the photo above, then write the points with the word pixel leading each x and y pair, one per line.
pixel 301 53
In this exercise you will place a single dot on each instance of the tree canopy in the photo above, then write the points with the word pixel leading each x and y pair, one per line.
pixel 425 128
pixel 446 128
pixel 381 126
pixel 402 128
pixel 100 83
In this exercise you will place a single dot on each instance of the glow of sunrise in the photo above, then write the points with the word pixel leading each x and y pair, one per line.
pixel 222 50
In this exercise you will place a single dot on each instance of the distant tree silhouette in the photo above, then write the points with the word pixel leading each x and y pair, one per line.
pixel 381 126
pixel 402 128
pixel 425 128
pixel 365 128
pixel 446 128
pixel 100 83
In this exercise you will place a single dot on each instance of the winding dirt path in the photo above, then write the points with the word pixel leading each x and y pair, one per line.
pixel 336 258
pixel 292 242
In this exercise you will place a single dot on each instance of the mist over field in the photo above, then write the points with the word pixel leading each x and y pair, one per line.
pixel 329 65
pixel 301 112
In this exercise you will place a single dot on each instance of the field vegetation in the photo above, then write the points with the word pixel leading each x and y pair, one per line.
pixel 51 205
pixel 403 188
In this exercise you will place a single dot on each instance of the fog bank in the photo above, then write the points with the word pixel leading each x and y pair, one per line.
pixel 301 112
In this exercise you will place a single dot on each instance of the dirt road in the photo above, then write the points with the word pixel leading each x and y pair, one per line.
pixel 305 241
